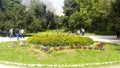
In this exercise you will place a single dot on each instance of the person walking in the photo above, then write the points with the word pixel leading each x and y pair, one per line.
pixel 11 33
pixel 17 33
pixel 82 31
pixel 22 33
pixel 78 32
pixel 118 33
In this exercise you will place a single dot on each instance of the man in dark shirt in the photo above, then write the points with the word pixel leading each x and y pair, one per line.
pixel 118 33
pixel 17 32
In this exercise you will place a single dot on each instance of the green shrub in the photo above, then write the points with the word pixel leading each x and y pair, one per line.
pixel 104 32
pixel 60 40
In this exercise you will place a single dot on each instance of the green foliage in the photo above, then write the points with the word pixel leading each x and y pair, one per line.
pixel 12 15
pixel 100 14
pixel 63 22
pixel 114 17
pixel 70 7
pixel 78 20
pixel 50 20
pixel 35 18
pixel 105 32
pixel 115 8
pixel 60 40
pixel 91 14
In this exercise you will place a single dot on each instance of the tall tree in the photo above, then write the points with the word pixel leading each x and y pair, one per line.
pixel 114 17
pixel 90 14
pixel 70 6
pixel 12 14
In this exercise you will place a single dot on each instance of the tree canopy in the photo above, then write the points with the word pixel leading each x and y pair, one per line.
pixel 93 15
pixel 35 18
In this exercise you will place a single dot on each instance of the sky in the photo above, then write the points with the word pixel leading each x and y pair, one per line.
pixel 52 4
pixel 58 4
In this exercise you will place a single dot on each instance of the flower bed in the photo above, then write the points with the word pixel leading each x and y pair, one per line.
pixel 96 46
pixel 60 40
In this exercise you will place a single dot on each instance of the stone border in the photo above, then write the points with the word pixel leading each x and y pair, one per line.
pixel 57 65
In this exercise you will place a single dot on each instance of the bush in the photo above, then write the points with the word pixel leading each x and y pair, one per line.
pixel 60 40
pixel 105 32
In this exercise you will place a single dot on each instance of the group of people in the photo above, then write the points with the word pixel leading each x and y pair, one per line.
pixel 18 33
pixel 81 32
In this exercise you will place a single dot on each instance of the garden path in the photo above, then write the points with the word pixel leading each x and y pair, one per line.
pixel 108 39
pixel 7 39
pixel 111 66
pixel 8 66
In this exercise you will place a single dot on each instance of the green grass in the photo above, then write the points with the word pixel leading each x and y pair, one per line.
pixel 9 52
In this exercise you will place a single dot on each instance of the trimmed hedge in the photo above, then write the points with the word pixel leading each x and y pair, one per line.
pixel 105 32
pixel 57 40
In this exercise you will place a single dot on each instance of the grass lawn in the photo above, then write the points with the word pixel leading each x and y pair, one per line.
pixel 9 52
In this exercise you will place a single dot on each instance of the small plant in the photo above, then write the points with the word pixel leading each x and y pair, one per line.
pixel 61 47
pixel 46 49
pixel 78 46
pixel 95 48
pixel 37 47
pixel 73 47
pixel 100 46
pixel 51 49
pixel 57 48
pixel 84 47
pixel 90 48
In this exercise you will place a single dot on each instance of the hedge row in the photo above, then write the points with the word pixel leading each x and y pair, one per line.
pixel 105 32
pixel 57 40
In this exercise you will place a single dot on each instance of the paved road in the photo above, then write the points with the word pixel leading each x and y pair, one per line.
pixel 111 66
pixel 109 39
pixel 7 39
pixel 8 66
